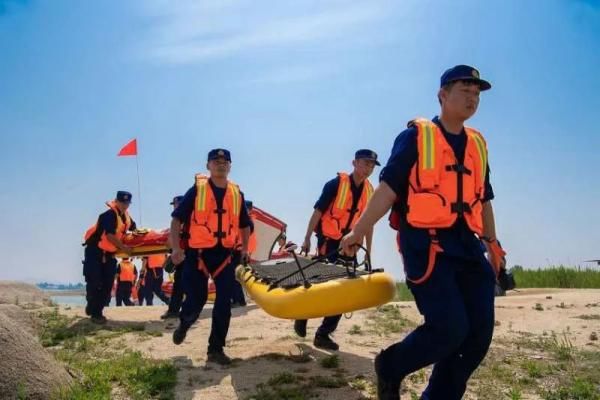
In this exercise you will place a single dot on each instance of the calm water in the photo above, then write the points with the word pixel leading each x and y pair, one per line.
pixel 69 300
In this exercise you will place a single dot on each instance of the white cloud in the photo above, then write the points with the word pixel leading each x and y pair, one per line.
pixel 189 32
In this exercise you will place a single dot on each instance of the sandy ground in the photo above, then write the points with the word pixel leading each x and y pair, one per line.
pixel 263 344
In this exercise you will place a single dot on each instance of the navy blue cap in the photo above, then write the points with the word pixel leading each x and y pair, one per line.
pixel 366 154
pixel 123 196
pixel 176 199
pixel 248 204
pixel 464 73
pixel 218 153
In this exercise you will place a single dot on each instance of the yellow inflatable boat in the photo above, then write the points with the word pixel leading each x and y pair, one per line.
pixel 298 288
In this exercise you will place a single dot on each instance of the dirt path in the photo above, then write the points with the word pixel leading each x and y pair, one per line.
pixel 266 347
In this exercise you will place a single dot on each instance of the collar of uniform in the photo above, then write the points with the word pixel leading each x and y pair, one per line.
pixel 354 183
pixel 436 120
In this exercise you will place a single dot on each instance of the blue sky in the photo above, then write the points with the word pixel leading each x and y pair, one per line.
pixel 292 88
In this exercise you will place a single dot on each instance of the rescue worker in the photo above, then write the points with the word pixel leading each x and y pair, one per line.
pixel 154 278
pixel 126 277
pixel 141 286
pixel 437 181
pixel 177 293
pixel 214 214
pixel 101 242
pixel 238 299
pixel 342 201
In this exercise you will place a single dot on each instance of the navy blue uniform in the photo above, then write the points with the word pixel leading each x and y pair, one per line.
pixel 457 300
pixel 153 285
pixel 99 267
pixel 123 294
pixel 238 297
pixel 196 283
pixel 329 246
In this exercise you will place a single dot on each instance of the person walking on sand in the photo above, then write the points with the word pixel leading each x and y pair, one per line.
pixel 341 203
pixel 102 241
pixel 214 214
pixel 437 183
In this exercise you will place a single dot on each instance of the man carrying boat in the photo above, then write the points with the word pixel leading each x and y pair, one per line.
pixel 126 277
pixel 342 201
pixel 214 214
pixel 177 293
pixel 437 184
pixel 101 242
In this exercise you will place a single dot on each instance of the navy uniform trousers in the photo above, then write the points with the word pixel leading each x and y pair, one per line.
pixel 457 302
pixel 154 281
pixel 99 270
pixel 327 247
pixel 177 293
pixel 195 284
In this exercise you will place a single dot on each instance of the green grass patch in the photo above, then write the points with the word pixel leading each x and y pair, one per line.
pixel 403 293
pixel 332 361
pixel 355 330
pixel 102 366
pixel 388 319
pixel 557 277
pixel 328 382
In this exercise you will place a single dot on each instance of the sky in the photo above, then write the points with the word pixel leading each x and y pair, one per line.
pixel 292 89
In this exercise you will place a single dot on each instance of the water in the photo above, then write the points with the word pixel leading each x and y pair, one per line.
pixel 69 300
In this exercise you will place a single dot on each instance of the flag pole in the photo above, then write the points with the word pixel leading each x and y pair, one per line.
pixel 137 166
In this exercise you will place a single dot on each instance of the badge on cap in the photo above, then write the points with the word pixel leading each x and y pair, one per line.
pixel 221 153
pixel 126 197
pixel 475 73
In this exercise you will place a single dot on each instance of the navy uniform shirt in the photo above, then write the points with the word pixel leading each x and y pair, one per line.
pixel 215 255
pixel 328 196
pixel 458 240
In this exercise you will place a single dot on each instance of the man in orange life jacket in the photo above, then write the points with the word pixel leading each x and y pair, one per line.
pixel 214 214
pixel 141 286
pixel 101 242
pixel 238 299
pixel 342 201
pixel 177 293
pixel 126 276
pixel 154 278
pixel 437 180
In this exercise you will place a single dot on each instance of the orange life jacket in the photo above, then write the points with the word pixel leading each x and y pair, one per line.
pixel 209 224
pixel 336 220
pixel 156 260
pixel 122 228
pixel 440 189
pixel 126 271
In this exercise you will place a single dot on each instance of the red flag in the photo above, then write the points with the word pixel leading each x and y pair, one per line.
pixel 130 149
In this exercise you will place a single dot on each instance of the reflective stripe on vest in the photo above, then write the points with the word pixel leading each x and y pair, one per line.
pixel 207 224
pixel 434 200
pixel 337 218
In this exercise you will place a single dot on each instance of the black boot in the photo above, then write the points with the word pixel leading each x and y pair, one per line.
pixel 179 334
pixel 300 327
pixel 325 342
pixel 386 389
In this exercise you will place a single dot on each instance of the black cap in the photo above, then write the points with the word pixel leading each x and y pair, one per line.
pixel 464 73
pixel 248 204
pixel 176 199
pixel 123 196
pixel 366 154
pixel 218 153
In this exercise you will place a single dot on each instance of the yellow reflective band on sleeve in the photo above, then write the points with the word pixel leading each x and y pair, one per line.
pixel 342 193
pixel 428 147
pixel 369 189
pixel 482 153
pixel 235 191
pixel 201 196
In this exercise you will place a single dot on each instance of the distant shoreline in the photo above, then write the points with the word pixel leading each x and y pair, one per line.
pixel 66 292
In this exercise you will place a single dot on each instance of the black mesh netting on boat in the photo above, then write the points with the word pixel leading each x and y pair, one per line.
pixel 286 274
